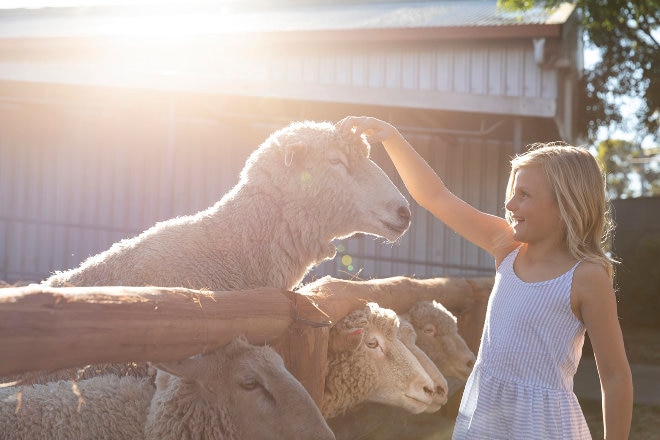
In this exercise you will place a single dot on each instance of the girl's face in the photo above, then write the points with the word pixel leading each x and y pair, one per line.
pixel 533 207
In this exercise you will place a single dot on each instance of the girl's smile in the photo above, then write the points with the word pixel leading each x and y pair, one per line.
pixel 535 214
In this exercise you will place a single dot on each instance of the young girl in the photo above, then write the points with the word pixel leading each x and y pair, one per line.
pixel 553 282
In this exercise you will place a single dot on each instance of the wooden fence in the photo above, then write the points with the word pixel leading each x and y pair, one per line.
pixel 47 328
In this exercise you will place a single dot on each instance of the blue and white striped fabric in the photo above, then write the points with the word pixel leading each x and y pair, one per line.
pixel 521 387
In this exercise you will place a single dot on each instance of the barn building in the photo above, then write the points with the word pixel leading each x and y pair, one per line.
pixel 116 116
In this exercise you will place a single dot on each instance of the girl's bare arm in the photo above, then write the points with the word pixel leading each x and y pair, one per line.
pixel 594 301
pixel 487 231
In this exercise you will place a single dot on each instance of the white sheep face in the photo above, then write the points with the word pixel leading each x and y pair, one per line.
pixel 437 335
pixel 332 178
pixel 368 362
pixel 408 336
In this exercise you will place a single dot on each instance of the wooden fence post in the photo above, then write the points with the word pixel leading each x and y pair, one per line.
pixel 471 323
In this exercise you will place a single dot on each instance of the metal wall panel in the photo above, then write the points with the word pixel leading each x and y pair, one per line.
pixel 505 68
pixel 75 180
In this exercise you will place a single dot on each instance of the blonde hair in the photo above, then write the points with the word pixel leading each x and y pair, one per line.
pixel 578 183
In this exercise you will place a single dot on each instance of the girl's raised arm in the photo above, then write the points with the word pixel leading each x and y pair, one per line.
pixel 487 231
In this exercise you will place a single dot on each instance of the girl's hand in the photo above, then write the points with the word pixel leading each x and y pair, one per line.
pixel 374 128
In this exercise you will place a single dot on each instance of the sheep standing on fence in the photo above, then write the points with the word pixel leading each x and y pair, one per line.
pixel 302 188
pixel 367 361
pixel 236 393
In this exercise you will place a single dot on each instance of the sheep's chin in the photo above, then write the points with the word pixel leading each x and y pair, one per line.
pixel 410 404
pixel 413 405
pixel 433 408
pixel 460 374
pixel 392 231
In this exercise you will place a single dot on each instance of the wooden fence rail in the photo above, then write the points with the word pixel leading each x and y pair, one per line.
pixel 51 328
pixel 48 328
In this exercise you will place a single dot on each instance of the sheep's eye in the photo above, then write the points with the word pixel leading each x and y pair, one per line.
pixel 429 329
pixel 249 383
pixel 372 343
pixel 337 161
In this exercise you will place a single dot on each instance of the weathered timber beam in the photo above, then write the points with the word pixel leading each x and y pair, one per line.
pixel 47 328
pixel 466 298
pixel 337 297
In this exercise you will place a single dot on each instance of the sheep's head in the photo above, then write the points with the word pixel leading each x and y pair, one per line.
pixel 372 364
pixel 408 336
pixel 437 335
pixel 242 383
pixel 330 181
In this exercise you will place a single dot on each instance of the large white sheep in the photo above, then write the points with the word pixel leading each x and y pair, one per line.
pixel 367 361
pixel 238 392
pixel 305 186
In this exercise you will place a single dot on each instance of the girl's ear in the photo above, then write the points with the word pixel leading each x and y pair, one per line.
pixel 290 149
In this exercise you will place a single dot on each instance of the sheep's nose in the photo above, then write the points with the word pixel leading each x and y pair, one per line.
pixel 441 391
pixel 404 213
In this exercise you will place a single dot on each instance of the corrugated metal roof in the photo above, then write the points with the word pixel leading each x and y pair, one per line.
pixel 79 22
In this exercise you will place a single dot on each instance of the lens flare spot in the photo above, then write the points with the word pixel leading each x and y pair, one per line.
pixel 347 260
pixel 340 248
pixel 305 179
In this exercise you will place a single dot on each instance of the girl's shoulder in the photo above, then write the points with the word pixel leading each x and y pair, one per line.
pixel 590 273
pixel 590 284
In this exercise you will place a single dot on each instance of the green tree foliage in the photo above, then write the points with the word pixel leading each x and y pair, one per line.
pixel 626 32
pixel 625 162
pixel 616 155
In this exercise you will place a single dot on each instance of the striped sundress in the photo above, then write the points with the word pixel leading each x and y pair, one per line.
pixel 521 387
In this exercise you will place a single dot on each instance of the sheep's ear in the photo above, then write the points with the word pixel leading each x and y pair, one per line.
pixel 348 339
pixel 407 330
pixel 187 368
pixel 290 149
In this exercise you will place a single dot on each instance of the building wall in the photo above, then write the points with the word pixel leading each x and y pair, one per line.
pixel 77 175
pixel 498 76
